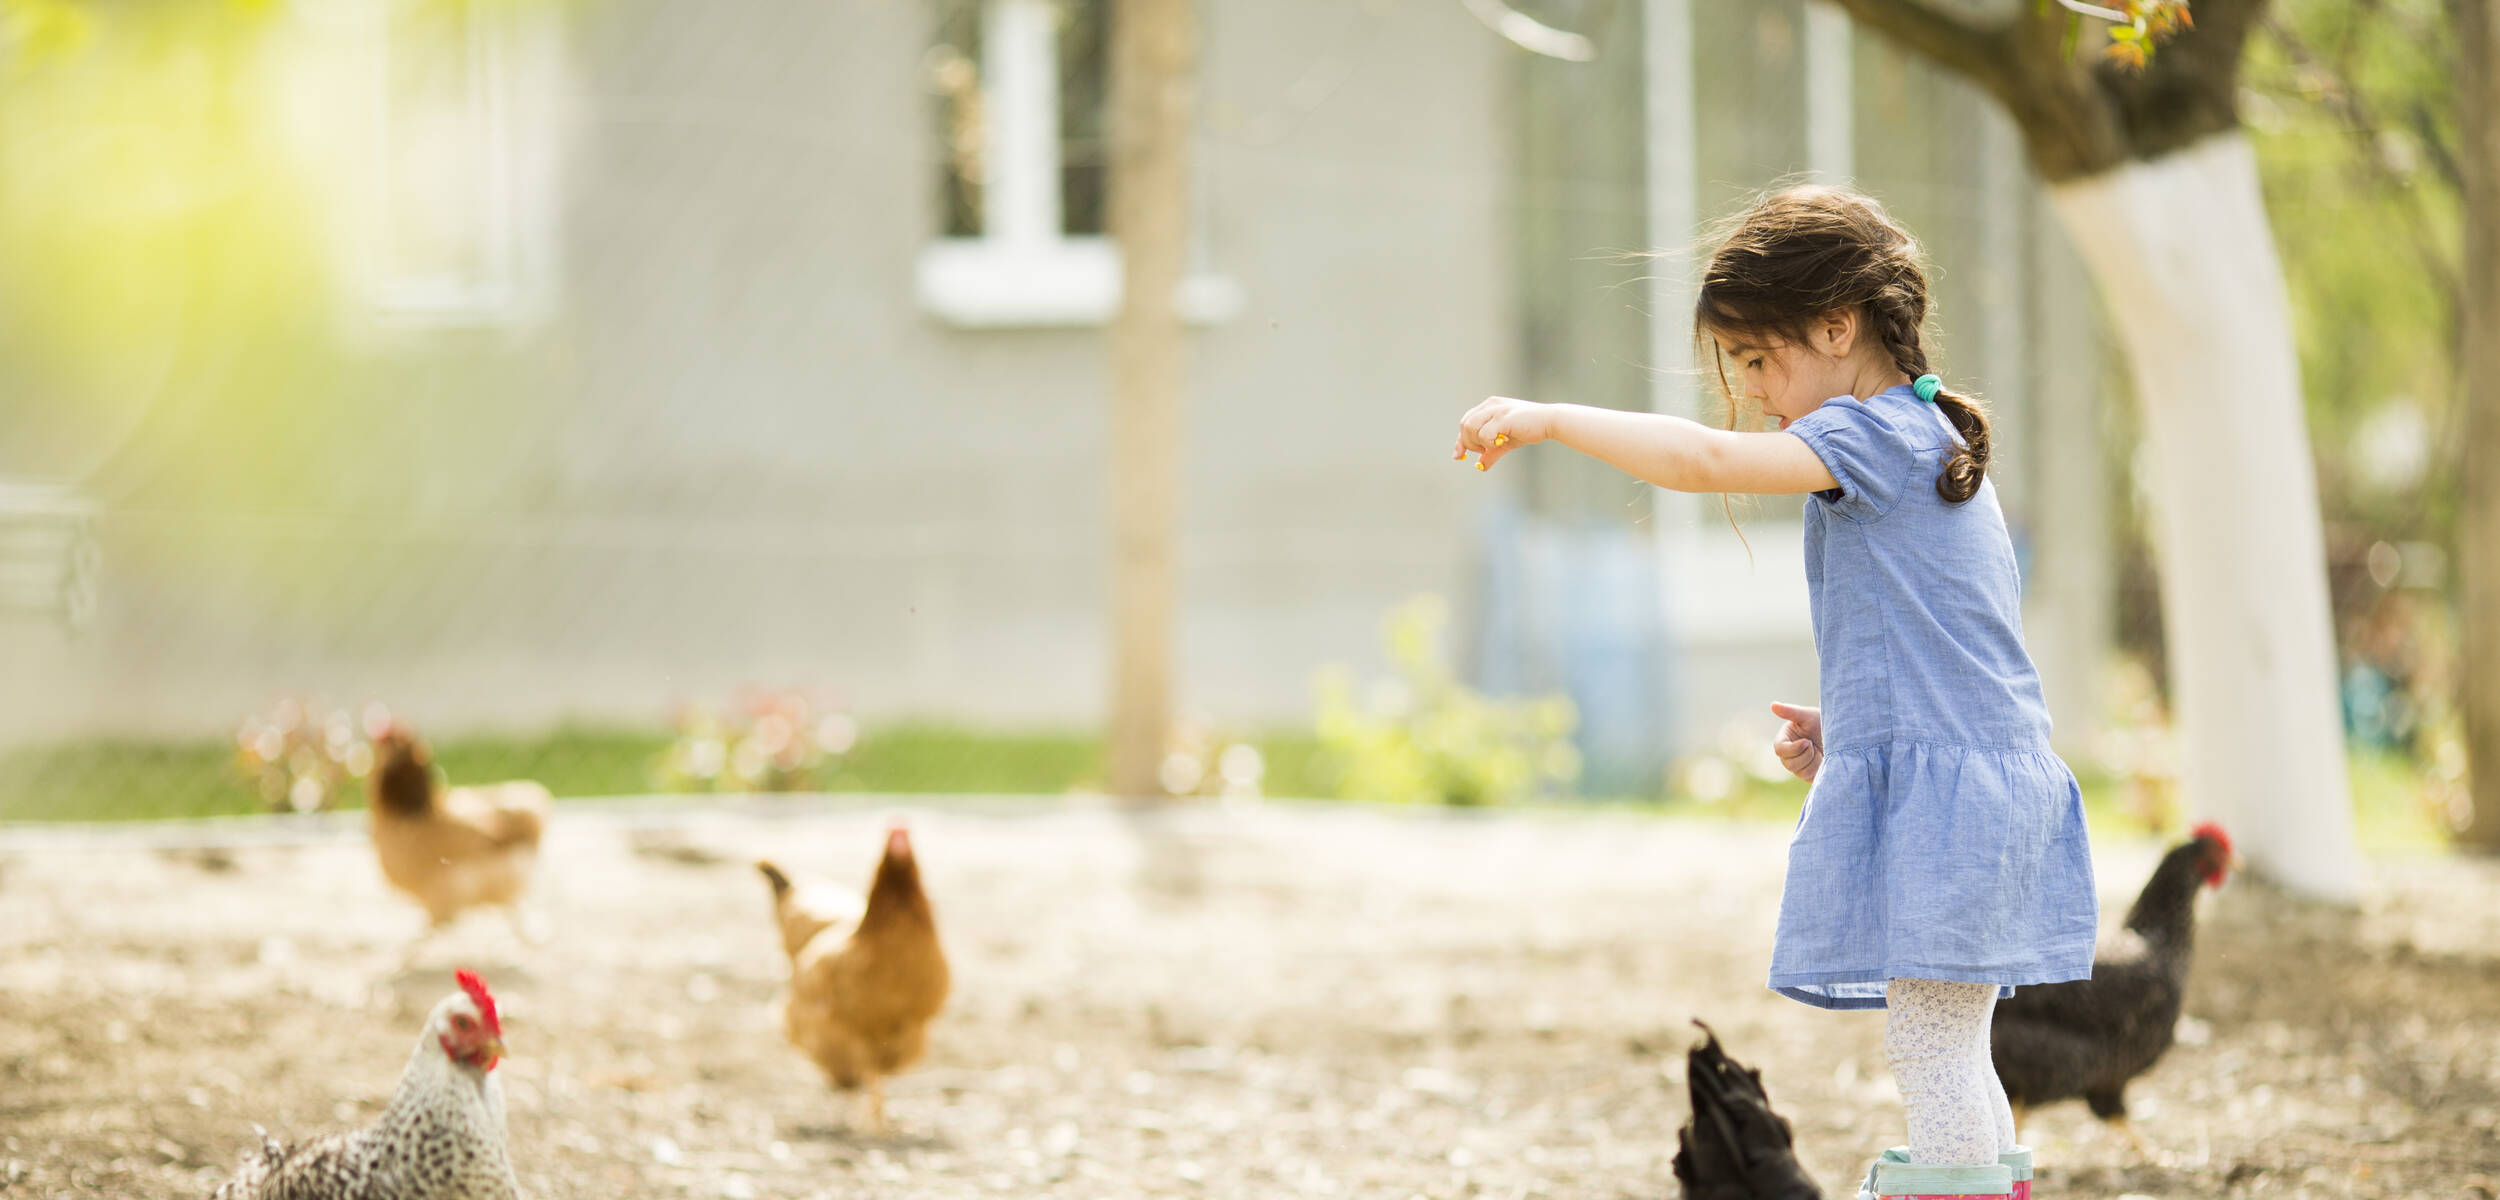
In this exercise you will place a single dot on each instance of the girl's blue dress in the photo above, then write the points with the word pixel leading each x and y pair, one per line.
pixel 1942 838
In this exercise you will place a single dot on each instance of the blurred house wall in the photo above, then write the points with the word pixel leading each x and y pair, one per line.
pixel 735 447
pixel 708 429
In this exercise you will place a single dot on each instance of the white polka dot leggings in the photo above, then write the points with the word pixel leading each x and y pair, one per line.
pixel 1937 1041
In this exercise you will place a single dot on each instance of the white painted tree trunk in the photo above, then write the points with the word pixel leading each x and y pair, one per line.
pixel 2185 261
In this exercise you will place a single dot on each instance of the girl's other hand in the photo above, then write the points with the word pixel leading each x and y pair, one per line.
pixel 1800 743
pixel 1499 426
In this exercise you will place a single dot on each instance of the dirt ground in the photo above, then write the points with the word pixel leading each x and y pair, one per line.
pixel 1280 1001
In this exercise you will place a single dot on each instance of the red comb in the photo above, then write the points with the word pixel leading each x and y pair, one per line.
pixel 2210 830
pixel 476 988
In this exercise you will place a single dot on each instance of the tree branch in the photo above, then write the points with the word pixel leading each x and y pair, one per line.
pixel 1530 34
pixel 2069 127
pixel 2435 143
pixel 2362 126
pixel 1980 53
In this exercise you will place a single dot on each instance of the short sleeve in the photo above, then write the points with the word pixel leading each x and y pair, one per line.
pixel 1871 456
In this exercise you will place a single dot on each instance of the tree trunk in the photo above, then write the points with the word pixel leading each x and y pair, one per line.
pixel 1151 85
pixel 2478 28
pixel 2081 114
pixel 2185 261
pixel 2158 188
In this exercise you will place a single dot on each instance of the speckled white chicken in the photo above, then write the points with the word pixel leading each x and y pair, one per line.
pixel 442 1138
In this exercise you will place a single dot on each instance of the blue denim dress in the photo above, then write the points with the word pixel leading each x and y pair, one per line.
pixel 1943 838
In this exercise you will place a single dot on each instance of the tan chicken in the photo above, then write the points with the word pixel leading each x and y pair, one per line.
pixel 452 849
pixel 865 978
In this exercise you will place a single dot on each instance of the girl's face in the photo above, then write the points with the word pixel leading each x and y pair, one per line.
pixel 1787 379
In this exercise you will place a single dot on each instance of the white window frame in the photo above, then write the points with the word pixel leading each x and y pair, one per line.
pixel 515 75
pixel 49 561
pixel 1023 271
pixel 1722 586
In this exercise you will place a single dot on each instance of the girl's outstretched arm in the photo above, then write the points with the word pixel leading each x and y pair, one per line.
pixel 1671 452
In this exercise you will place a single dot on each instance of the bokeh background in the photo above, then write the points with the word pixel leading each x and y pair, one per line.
pixel 675 404
pixel 551 372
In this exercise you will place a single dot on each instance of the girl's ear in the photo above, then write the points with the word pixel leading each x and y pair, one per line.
pixel 1838 332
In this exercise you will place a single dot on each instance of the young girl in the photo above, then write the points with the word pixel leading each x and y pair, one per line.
pixel 1940 861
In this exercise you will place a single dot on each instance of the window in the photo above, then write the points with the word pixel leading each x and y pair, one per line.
pixel 1037 125
pixel 1023 98
pixel 1780 110
pixel 48 557
pixel 458 216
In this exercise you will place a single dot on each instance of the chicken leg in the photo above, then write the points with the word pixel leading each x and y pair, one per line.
pixel 416 945
pixel 525 925
pixel 874 1095
pixel 2126 1129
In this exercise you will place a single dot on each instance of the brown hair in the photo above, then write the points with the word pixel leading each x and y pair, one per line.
pixel 1803 252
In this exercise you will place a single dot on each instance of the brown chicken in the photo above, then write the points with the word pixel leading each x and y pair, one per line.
pixel 451 849
pixel 865 979
pixel 2087 1039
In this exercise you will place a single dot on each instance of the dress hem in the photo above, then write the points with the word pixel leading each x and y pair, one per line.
pixel 2038 746
pixel 1808 987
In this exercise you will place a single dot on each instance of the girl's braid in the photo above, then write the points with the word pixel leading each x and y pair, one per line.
pixel 1896 313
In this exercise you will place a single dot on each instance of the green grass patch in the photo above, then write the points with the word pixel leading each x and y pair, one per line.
pixel 940 758
pixel 931 757
pixel 571 762
pixel 1297 766
pixel 2395 804
pixel 113 779
pixel 116 779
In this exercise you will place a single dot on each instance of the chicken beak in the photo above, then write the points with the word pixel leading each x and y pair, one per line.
pixel 491 1052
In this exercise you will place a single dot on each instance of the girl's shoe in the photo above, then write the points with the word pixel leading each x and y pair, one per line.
pixel 2016 1160
pixel 1892 1180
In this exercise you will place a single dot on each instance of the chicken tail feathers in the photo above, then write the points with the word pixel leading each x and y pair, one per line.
pixel 1735 1145
pixel 772 873
pixel 255 1169
pixel 524 821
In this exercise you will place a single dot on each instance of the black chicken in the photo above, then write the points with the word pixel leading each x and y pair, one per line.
pixel 1735 1147
pixel 2088 1038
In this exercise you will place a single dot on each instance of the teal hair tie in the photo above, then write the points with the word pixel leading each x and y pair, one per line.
pixel 1927 386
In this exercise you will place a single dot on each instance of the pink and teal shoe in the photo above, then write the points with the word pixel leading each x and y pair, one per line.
pixel 2018 1160
pixel 1895 1177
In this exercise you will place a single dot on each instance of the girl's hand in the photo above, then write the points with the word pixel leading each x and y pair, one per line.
pixel 1499 426
pixel 1800 743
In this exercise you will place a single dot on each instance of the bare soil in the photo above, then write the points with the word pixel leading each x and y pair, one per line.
pixel 1280 1001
